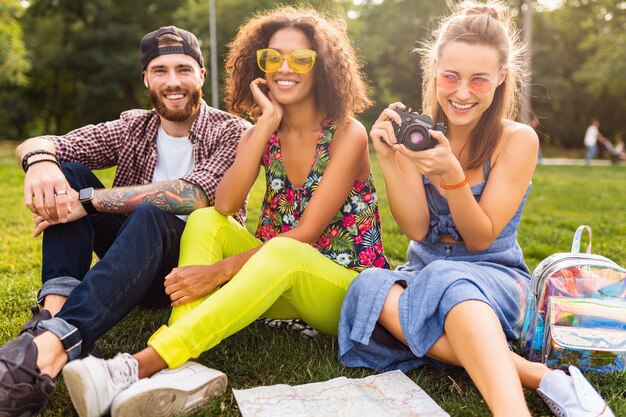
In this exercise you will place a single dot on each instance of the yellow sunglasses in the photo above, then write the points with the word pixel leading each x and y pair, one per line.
pixel 300 61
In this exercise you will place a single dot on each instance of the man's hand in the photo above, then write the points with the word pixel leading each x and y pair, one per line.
pixel 190 283
pixel 75 211
pixel 47 193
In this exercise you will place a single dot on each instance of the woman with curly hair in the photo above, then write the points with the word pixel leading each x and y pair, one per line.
pixel 296 74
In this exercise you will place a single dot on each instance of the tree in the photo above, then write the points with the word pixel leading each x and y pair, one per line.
pixel 86 65
pixel 386 34
pixel 14 66
pixel 13 60
pixel 578 69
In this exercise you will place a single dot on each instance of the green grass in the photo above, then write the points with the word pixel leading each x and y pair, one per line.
pixel 561 199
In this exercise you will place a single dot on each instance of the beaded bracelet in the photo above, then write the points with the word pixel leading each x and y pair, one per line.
pixel 54 161
pixel 33 153
pixel 454 186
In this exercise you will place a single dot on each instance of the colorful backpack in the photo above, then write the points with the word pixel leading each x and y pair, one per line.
pixel 576 311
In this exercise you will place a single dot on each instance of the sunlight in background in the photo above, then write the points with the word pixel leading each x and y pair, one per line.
pixel 541 6
pixel 549 4
pixel 545 4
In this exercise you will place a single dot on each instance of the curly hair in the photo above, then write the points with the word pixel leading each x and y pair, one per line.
pixel 339 88
pixel 488 24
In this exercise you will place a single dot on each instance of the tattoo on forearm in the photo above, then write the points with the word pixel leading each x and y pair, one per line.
pixel 175 196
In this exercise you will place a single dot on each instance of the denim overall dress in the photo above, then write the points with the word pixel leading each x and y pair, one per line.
pixel 436 277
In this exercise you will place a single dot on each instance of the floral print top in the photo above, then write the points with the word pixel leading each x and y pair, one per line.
pixel 353 237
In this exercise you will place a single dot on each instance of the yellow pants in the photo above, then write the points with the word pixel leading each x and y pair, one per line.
pixel 285 279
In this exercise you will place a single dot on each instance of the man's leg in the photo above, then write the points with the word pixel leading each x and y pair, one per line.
pixel 591 153
pixel 67 248
pixel 67 251
pixel 145 250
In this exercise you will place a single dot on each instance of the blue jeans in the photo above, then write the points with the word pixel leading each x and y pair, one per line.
pixel 136 252
pixel 592 152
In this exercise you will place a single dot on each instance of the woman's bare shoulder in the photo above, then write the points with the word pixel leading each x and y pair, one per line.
pixel 518 132
pixel 519 143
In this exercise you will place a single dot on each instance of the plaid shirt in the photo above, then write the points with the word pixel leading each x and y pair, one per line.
pixel 130 144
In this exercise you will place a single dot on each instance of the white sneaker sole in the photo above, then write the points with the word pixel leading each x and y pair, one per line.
pixel 78 382
pixel 166 401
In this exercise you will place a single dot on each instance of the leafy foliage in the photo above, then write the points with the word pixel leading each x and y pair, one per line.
pixel 579 61
pixel 386 36
pixel 13 61
pixel 83 66
pixel 14 67
pixel 86 64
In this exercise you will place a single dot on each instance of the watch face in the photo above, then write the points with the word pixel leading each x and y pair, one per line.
pixel 86 194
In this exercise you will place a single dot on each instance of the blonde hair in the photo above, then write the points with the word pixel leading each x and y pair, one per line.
pixel 479 24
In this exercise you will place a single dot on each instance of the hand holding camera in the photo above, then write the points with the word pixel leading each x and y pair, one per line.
pixel 398 125
pixel 413 132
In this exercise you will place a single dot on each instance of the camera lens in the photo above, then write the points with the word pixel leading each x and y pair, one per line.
pixel 415 138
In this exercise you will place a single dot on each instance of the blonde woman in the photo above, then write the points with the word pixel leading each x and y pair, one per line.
pixel 459 297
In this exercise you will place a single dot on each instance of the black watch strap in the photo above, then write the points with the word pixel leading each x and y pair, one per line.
pixel 89 208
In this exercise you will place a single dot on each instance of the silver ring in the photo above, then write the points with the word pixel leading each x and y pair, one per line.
pixel 60 192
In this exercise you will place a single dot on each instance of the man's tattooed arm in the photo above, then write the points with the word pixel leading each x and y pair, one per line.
pixel 173 196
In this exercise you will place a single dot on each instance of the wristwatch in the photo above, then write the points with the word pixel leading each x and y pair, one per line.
pixel 85 196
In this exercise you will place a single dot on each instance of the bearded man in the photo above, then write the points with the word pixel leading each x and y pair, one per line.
pixel 169 162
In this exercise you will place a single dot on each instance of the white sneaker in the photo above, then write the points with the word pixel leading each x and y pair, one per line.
pixel 93 383
pixel 572 395
pixel 170 392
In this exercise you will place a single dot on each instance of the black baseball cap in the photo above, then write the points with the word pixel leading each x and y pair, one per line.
pixel 150 45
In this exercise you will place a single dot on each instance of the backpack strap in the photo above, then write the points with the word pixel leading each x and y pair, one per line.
pixel 578 237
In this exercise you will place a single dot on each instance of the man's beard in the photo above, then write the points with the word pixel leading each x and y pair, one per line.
pixel 193 104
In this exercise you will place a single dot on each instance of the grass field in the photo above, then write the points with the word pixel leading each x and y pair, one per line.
pixel 562 198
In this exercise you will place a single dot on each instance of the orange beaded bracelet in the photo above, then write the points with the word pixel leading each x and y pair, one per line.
pixel 454 186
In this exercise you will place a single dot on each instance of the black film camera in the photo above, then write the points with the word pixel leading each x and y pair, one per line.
pixel 413 132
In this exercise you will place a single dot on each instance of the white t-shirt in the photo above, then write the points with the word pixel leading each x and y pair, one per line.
pixel 591 135
pixel 174 158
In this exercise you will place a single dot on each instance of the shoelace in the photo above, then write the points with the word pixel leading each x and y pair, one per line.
pixel 31 323
pixel 9 364
pixel 124 369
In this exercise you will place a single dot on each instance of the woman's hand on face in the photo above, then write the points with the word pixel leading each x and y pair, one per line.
pixel 435 161
pixel 271 110
pixel 382 133
pixel 190 283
